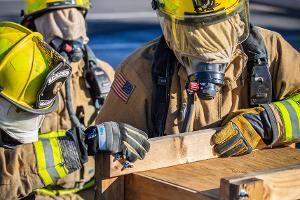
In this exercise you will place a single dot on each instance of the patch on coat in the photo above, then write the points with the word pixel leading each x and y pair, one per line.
pixel 122 87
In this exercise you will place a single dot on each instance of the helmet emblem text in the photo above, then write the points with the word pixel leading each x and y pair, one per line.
pixel 204 5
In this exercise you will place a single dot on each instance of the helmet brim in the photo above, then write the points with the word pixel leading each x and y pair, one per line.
pixel 33 110
pixel 28 19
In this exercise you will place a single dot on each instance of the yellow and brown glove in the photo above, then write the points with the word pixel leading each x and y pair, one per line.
pixel 242 132
pixel 275 124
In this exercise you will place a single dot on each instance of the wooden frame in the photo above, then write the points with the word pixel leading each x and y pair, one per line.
pixel 191 147
pixel 265 174
pixel 164 152
pixel 281 183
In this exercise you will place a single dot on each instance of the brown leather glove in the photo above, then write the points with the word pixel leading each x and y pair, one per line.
pixel 242 132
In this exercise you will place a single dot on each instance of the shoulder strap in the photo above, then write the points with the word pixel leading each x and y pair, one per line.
pixel 162 72
pixel 260 91
pixel 1 141
pixel 97 80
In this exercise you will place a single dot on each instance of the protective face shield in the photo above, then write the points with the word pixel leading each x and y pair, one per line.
pixel 31 72
pixel 204 35
pixel 65 31
pixel 18 124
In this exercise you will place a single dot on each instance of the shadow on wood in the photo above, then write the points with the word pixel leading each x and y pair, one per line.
pixel 281 183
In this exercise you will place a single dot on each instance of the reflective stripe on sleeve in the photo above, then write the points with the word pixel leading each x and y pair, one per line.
pixel 52 134
pixel 290 114
pixel 58 158
pixel 41 163
pixel 49 160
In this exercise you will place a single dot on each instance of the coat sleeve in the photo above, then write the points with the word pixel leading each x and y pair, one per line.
pixel 285 70
pixel 19 172
pixel 29 167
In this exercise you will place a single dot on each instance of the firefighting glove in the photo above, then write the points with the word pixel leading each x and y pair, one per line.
pixel 118 138
pixel 242 132
pixel 73 149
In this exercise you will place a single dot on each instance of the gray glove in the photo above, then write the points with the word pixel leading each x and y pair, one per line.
pixel 118 138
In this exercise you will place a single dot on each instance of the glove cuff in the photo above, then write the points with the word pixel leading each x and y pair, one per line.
pixel 102 137
pixel 70 154
pixel 272 135
pixel 287 113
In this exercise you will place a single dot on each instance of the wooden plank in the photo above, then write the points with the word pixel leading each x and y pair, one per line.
pixel 251 189
pixel 139 187
pixel 107 189
pixel 168 151
pixel 280 183
pixel 203 177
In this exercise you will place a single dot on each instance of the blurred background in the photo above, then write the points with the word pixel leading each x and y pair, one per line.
pixel 117 27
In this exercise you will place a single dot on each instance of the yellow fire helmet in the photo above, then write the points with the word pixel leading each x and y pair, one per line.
pixel 34 8
pixel 190 26
pixel 204 12
pixel 31 72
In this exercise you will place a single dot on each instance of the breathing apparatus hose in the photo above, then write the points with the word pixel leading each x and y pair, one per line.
pixel 191 88
pixel 74 120
pixel 189 112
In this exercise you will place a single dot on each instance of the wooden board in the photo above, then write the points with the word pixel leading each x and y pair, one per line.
pixel 107 189
pixel 140 187
pixel 167 151
pixel 201 180
pixel 164 152
pixel 279 183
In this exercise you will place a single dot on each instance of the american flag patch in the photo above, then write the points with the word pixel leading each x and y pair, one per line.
pixel 122 87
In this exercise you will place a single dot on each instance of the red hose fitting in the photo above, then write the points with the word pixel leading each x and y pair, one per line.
pixel 194 86
pixel 68 48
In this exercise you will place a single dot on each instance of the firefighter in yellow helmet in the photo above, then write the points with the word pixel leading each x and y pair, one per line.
pixel 210 68
pixel 31 75
pixel 36 8
pixel 62 23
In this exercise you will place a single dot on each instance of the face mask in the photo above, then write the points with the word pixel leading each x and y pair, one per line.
pixel 20 125
pixel 72 51
pixel 205 51
pixel 208 77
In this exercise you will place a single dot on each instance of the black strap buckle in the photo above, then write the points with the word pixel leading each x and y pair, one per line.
pixel 260 85
pixel 162 80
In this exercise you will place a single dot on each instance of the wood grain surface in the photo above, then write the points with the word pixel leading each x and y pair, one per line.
pixel 202 179
pixel 168 151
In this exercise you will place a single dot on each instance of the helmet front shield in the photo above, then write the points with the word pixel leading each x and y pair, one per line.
pixel 25 63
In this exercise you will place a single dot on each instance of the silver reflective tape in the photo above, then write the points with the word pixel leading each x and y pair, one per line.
pixel 102 137
pixel 49 159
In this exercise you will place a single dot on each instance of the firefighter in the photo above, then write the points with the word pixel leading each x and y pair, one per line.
pixel 62 23
pixel 31 75
pixel 210 68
